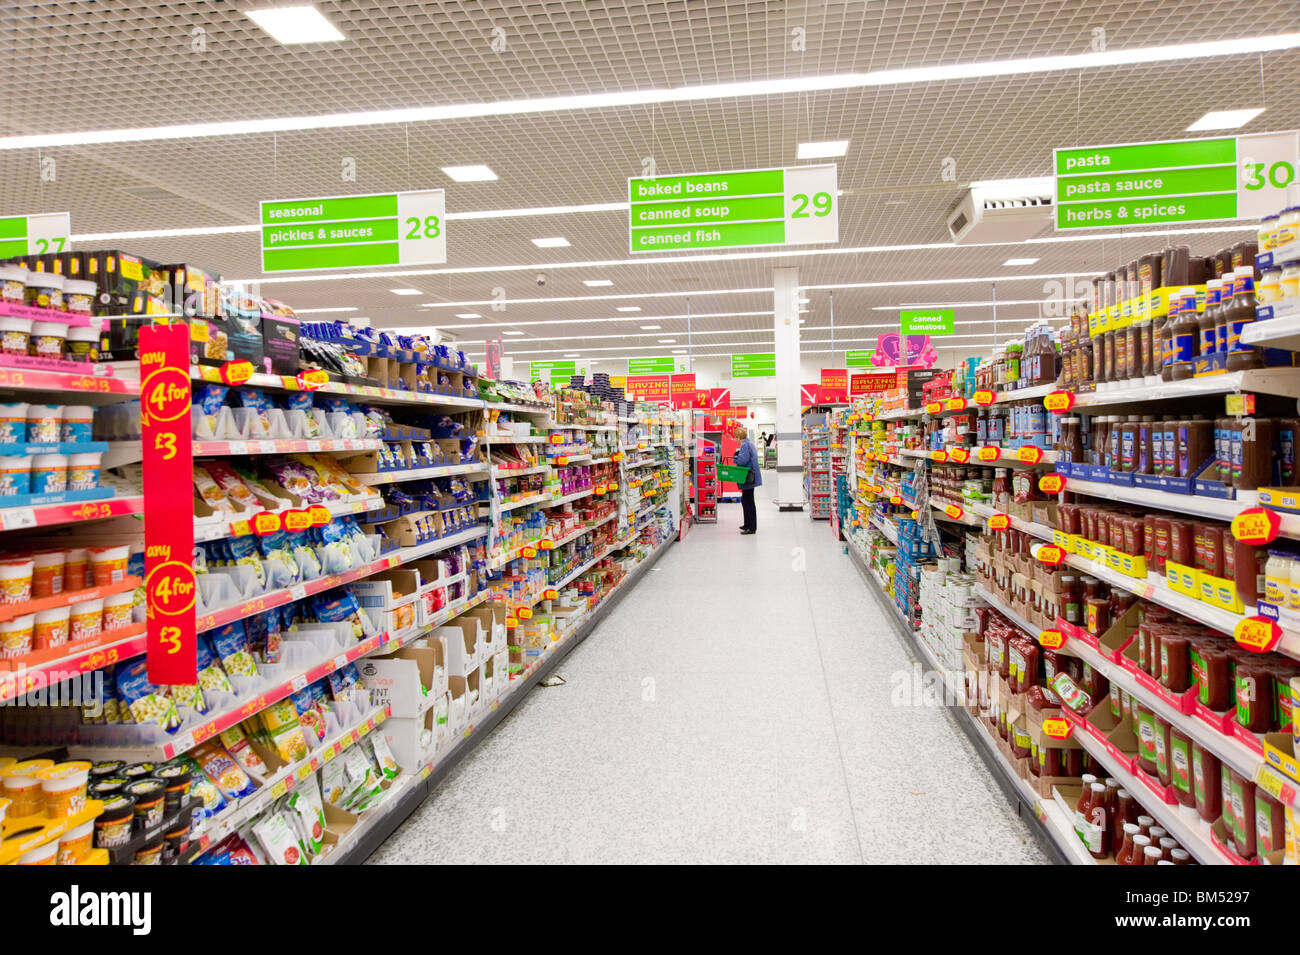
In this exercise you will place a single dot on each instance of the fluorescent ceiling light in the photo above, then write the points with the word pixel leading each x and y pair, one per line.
pixel 553 243
pixel 596 283
pixel 321 311
pixel 629 308
pixel 572 354
pixel 650 328
pixel 681 94
pixel 512 333
pixel 679 351
pixel 468 315
pixel 406 291
pixel 1224 119
pixel 470 173
pixel 294 25
pixel 667 341
pixel 825 150
pixel 1019 261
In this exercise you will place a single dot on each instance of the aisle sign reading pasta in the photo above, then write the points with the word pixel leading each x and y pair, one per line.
pixel 170 587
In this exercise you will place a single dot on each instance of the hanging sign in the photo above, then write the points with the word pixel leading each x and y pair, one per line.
pixel 927 321
pixel 1186 180
pixel 348 232
pixel 866 383
pixel 860 358
pixel 661 365
pixel 721 210
pixel 44 234
pixel 165 428
pixel 650 387
pixel 682 389
pixel 834 386
pixel 753 366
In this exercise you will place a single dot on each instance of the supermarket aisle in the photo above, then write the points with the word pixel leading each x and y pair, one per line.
pixel 735 707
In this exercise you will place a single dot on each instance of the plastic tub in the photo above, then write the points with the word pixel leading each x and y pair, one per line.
pixel 113 824
pixel 151 852
pixel 63 787
pixel 118 610
pixel 76 571
pixel 75 843
pixel 52 627
pixel 78 424
pixel 14 335
pixel 16 636
pixel 79 299
pixel 49 473
pixel 108 564
pixel 13 422
pixel 41 855
pixel 22 786
pixel 47 340
pixel 4 806
pixel 82 344
pixel 44 423
pixel 47 572
pixel 13 285
pixel 83 471
pixel 16 580
pixel 44 290
pixel 86 619
pixel 150 795
pixel 15 476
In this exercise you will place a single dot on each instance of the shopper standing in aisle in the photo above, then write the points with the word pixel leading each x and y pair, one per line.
pixel 747 457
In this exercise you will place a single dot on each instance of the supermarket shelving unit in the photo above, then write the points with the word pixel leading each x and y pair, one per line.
pixel 818 487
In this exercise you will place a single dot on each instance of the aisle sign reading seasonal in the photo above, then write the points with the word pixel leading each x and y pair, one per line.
pixel 46 234
pixel 348 232
pixel 859 358
pixel 753 366
pixel 1189 180
pixel 720 210
pixel 165 429
pixel 665 365
pixel 927 321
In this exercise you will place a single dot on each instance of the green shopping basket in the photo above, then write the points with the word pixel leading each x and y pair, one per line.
pixel 733 474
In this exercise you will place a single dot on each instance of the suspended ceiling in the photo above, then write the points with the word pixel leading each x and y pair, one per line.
pixel 72 66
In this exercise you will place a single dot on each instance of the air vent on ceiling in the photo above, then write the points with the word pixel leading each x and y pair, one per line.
pixel 149 193
pixel 1009 210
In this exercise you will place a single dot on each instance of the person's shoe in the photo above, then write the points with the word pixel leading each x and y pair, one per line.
pixel 749 530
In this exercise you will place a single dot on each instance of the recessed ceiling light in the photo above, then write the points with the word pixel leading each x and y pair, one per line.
pixel 317 311
pixel 468 315
pixel 470 173
pixel 596 283
pixel 405 291
pixel 512 333
pixel 667 341
pixel 294 25
pixel 552 243
pixel 650 328
pixel 1224 119
pixel 823 150
pixel 629 308
pixel 679 351
pixel 1019 261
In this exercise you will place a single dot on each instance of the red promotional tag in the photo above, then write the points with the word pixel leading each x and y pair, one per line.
pixel 1057 728
pixel 984 397
pixel 235 372
pixel 940 456
pixel 989 453
pixel 999 522
pixel 1257 634
pixel 311 380
pixel 1051 483
pixel 295 522
pixel 265 523
pixel 1059 402
pixel 1256 526
pixel 550 594
pixel 1052 639
pixel 320 515
pixel 1029 455
pixel 955 404
pixel 954 511
pixel 170 588
pixel 1050 554
pixel 960 455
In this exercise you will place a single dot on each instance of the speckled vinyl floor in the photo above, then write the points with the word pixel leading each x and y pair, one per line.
pixel 734 708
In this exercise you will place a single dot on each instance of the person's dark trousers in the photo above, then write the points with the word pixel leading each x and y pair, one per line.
pixel 747 506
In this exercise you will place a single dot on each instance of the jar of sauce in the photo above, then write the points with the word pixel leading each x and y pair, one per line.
pixel 1207 322
pixel 1207 787
pixel 1241 814
pixel 1186 337
pixel 1175 665
pixel 1125 854
pixel 1239 313
pixel 1254 695
pixel 1145 730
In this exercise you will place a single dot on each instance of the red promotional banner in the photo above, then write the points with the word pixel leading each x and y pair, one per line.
pixel 870 382
pixel 650 387
pixel 682 389
pixel 808 394
pixel 165 428
pixel 834 385
pixel 731 414
pixel 719 398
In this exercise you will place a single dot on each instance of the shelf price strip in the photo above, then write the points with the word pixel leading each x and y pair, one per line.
pixel 170 587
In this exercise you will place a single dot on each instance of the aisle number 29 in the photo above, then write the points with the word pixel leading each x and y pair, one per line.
pixel 822 204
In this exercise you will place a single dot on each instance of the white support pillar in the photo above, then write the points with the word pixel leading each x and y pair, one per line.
pixel 789 433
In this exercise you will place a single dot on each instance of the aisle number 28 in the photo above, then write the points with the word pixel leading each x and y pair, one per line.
pixel 430 228
pixel 821 203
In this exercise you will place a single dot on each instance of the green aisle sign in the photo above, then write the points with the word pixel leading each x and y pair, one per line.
pixel 553 370
pixel 722 210
pixel 927 321
pixel 753 366
pixel 43 234
pixel 651 366
pixel 1191 180
pixel 860 358
pixel 348 232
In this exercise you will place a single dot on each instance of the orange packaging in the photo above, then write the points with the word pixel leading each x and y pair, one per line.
pixel 108 564
pixel 16 580
pixel 47 572
pixel 77 570
pixel 76 843
pixel 22 786
pixel 51 628
pixel 63 787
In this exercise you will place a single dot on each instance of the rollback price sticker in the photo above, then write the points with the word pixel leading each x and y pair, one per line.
pixel 1029 455
pixel 236 372
pixel 1059 402
pixel 1256 526
pixel 933 407
pixel 895 500
pixel 1257 634
pixel 320 515
pixel 999 522
pixel 988 454
pixel 939 456
pixel 1051 639
pixel 984 397
pixel 1050 555
pixel 295 522
pixel 266 523
pixel 1057 728
pixel 311 380
pixel 1053 483
pixel 959 455
pixel 954 511
pixel 955 404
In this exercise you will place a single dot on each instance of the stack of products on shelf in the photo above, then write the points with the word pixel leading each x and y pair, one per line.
pixel 817 471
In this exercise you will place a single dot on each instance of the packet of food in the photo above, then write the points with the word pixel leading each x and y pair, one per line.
pixel 230 643
pixel 148 703
pixel 279 840
pixel 234 486
pixel 309 813
pixel 302 401
pixel 334 782
pixel 309 717
pixel 223 769
pixel 243 550
pixel 211 491
pixel 343 682
pixel 336 606
pixel 210 676
pixel 253 481
pixel 254 399
pixel 237 745
pixel 383 755
pixel 189 696
pixel 281 721
pixel 209 399
pixel 341 478
pixel 363 780
pixel 281 568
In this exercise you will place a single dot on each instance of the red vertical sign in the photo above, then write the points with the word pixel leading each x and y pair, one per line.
pixel 169 582
pixel 719 398
pixel 808 394
pixel 492 352
pixel 834 385
pixel 682 388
